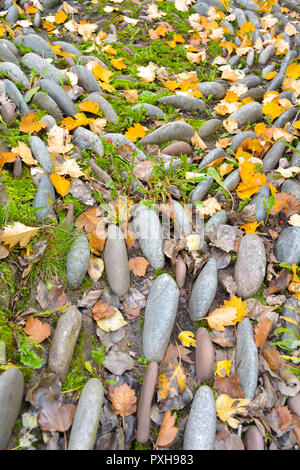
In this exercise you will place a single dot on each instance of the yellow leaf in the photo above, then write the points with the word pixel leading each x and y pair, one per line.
pixel 241 307
pixel 59 140
pixel 272 109
pixel 146 74
pixel 226 407
pixel 118 63
pixel 270 75
pixel 223 368
pixel 198 142
pixel 60 17
pixel 250 227
pixel 251 181
pixel 225 168
pixel 193 242
pixel 18 233
pixel 208 207
pixel 178 38
pixel 101 73
pixel 25 153
pixel 293 71
pixel 187 338
pixel 89 106
pixel 222 317
pixel 113 323
pixel 170 380
pixel 31 123
pixel 135 132
pixel 96 268
pixel 260 128
pixel 62 185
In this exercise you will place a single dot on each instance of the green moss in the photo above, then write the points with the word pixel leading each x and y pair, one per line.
pixel 74 377
pixel 259 296
pixel 138 446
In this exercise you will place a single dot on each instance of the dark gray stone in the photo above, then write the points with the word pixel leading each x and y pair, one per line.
pixel 273 155
pixel 43 68
pixel 260 200
pixel 84 138
pixel 246 358
pixel 11 394
pixel 41 154
pixel 218 218
pixel 45 102
pixel 59 95
pixel 212 88
pixel 291 186
pixel 287 246
pixel 295 161
pixel 276 82
pixel 173 130
pixel 202 189
pixel 204 290
pixel 14 94
pixel 285 117
pixel 78 259
pixel 211 157
pixel 250 81
pixel 85 78
pixel 209 128
pixel 116 261
pixel 251 112
pixel 287 59
pixel 41 200
pixel 68 47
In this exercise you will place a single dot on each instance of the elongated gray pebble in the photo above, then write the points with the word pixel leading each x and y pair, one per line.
pixel 11 394
pixel 276 82
pixel 273 155
pixel 78 259
pixel 251 112
pixel 151 110
pixel 266 54
pixel 6 55
pixel 48 4
pixel 240 17
pixel 218 218
pixel 202 189
pixel 287 246
pixel 209 128
pixel 248 4
pixel 200 430
pixel 260 200
pixel 253 439
pixel 43 68
pixel 252 17
pixel 295 160
pixel 187 103
pixel 250 58
pixel 59 95
pixel 14 73
pixel 85 78
pixel 84 138
pixel 37 20
pixel 160 314
pixel 201 8
pixel 147 227
pixel 172 130
pixel 285 117
pixel 287 59
pixel 204 290
pixel 64 340
pixel 232 180
pixel 41 154
pixel 116 261
pixel 14 94
pixel 12 15
pixel 234 60
pixel 49 121
pixel 41 201
pixel 37 44
pixel 120 140
pixel 205 355
pixel 68 47
pixel 45 102
pixel 246 358
pixel 104 105
pixel 11 47
pixel 250 266
pixel 87 416
pixel 250 81
pixel 211 157
pixel 256 93
pixel 212 88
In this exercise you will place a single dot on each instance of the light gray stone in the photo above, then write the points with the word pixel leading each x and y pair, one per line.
pixel 85 78
pixel 237 139
pixel 43 68
pixel 104 105
pixel 6 54
pixel 204 290
pixel 273 155
pixel 291 186
pixel 285 117
pixel 173 130
pixel 187 103
pixel 251 112
pixel 14 73
pixel 246 358
pixel 295 160
pixel 12 15
pixel 260 200
pixel 209 128
pixel 84 138
pixel 37 44
pixel 151 110
pixel 14 94
pixel 41 154
pixel 276 82
pixel 68 47
pixel 49 121
pixel 287 59
pixel 212 88
pixel 11 394
pixel 45 102
pixel 266 54
pixel 182 225
pixel 232 180
pixel 287 246
pixel 59 95
pixel 211 157
pixel 116 261
pixel 78 259
pixel 41 200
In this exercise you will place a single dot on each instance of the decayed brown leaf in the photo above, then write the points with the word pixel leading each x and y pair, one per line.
pixel 143 170
pixel 174 353
pixel 286 203
pixel 103 310
pixel 89 219
pixel 261 331
pixel 123 400
pixel 56 418
pixel 285 417
pixel 138 265
pixel 272 357
pixel 229 385
pixel 37 330
pixel 280 283
pixel 167 432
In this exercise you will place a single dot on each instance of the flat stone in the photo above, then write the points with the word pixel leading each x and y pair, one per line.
pixel 187 103
pixel 202 189
pixel 11 394
pixel 6 55
pixel 14 94
pixel 212 88
pixel 250 266
pixel 204 290
pixel 37 44
pixel 151 110
pixel 200 430
pixel 160 314
pixel 178 148
pixel 246 358
pixel 291 186
pixel 116 261
pixel 173 130
pixel 45 102
pixel 40 153
pixel 260 200
pixel 266 54
pixel 147 227
pixel 117 362
pixel 43 68
pixel 120 140
pixel 41 200
pixel 64 340
pixel 253 440
pixel 211 157
pixel 84 138
pixel 85 78
pixel 104 105
pixel 14 73
pixel 87 416
pixel 78 259
pixel 209 128
pixel 287 246
pixel 205 355
pixel 251 112
pixel 59 95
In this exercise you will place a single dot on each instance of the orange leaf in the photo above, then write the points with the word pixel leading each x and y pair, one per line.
pixel 261 331
pixel 31 123
pixel 97 240
pixel 167 432
pixel 37 330
pixel 138 265
pixel 123 400
pixel 61 184
pixel 102 310
pixel 7 157
pixel 60 17
pixel 89 106
pixel 135 132
pixel 89 219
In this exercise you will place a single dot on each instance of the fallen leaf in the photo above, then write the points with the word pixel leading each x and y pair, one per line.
pixel 25 153
pixel 60 17
pixel 62 185
pixel 222 317
pixel 143 170
pixel 171 380
pixel 223 368
pixel 167 432
pixel 37 330
pixel 261 331
pixel 113 323
pixel 123 400
pixel 208 207
pixel 229 385
pixel 226 407
pixel 272 357
pixel 7 157
pixel 31 123
pixel 131 95
pixel 187 338
pixel 294 220
pixel 18 233
pixel 89 219
pixel 54 417
pixel 96 268
pixel 138 265
pixel 135 132
pixel 103 310
pixel 286 203
pixel 285 417
pixel 69 167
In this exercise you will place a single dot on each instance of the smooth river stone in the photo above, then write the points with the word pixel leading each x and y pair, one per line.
pixel 48 4
pixel 289 56
pixel 248 4
pixel 187 103
pixel 145 402
pixel 78 259
pixel 181 220
pixel 200 430
pixel 120 140
pixel 85 78
pixel 287 246
pixel 260 200
pixel 172 130
pixel 202 189
pixel 285 117
pixel 232 180
pixel 211 157
pixel 59 95
pixel 272 157
pixel 116 261
pixel 49 121
pixel 266 54
pixel 64 340
pixel 237 139
pixel 37 44
pixel 178 148
pixel 246 358
pixel 205 355
pixel 209 128
pixel 6 55
pixel 87 416
pixel 290 309
pixel 41 200
pixel 250 266
pixel 218 218
pixel 14 73
pixel 201 8
pixel 204 290
pixel 250 58
pixel 147 228
pixel 151 110
pixel 45 102
pixel 160 314
pixel 84 138
pixel 41 154
pixel 276 82
pixel 12 48
pixel 14 94
pixel 295 160
pixel 240 17
pixel 11 394
pixel 37 20
pixel 68 47
pixel 104 105
pixel 251 112
pixel 12 15
pixel 253 440
pixel 43 68
pixel 291 186
pixel 212 88
pixel 294 404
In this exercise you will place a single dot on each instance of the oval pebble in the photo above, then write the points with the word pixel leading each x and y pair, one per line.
pixel 172 130
pixel 237 139
pixel 11 394
pixel 182 224
pixel 205 355
pixel 104 105
pixel 260 201
pixel 295 161
pixel 12 15
pixel 209 128
pixel 49 121
pixel 276 82
pixel 151 110
pixel 204 290
pixel 85 78
pixel 37 44
pixel 120 140
pixel 68 47
pixel 6 55
pixel 78 259
pixel 253 440
pixel 59 95
pixel 212 88
pixel 145 402
pixel 251 112
pixel 14 94
pixel 211 157
pixel 218 218
pixel 287 246
pixel 291 186
pixel 43 68
pixel 160 313
pixel 14 73
pixel 45 102
pixel 41 201
pixel 116 261
pixel 202 189
pixel 266 54
pixel 84 138
pixel 187 103
pixel 246 358
pixel 41 154
pixel 285 117
pixel 178 148
pixel 180 273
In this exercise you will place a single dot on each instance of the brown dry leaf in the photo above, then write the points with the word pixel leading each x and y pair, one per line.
pixel 229 385
pixel 286 203
pixel 103 310
pixel 123 400
pixel 174 353
pixel 167 432
pixel 143 170
pixel 18 233
pixel 138 265
pixel 54 417
pixel 280 283
pixel 37 330
pixel 272 357
pixel 3 251
pixel 89 219
pixel 261 331
pixel 198 142
pixel 131 95
pixel 285 417
pixel 25 153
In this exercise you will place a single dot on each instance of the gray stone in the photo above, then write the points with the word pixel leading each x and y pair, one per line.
pixel 289 95
pixel 218 218
pixel 287 59
pixel 178 147
pixel 12 15
pixel 291 309
pixel 266 54
pixel 173 130
pixel 253 439
pixel 212 88
pixel 256 93
pixel 37 44
pixel 202 189
pixel 14 73
pixel 11 394
pixel 41 200
pixel 87 416
pixel 228 25
pixel 41 154
pixel 151 110
pixel 246 358
pixel 248 4
pixel 120 140
pixel 291 186
pixel 200 430
pixel 268 69
pixel 85 78
pixel 211 157
pixel 49 4
pixel 251 112
pixel 250 81
pixel 59 95
pixel 240 17
pixel 160 314
pixel 287 246
pixel 104 105
pixel 14 94
pixel 84 138
pixel 273 155
pixel 294 404
pixel 187 103
pixel 45 102
pixel 78 259
pixel 49 121
pixel 276 82
pixel 181 220
pixel 64 340
pixel 260 200
pixel 116 261
pixel 250 58
pixel 209 128
pixel 85 59
pixel 6 55
pixel 12 48
pixel 37 20
pixel 250 266
pixel 295 160
pixel 232 180
pixel 204 290
pixel 43 68
pixel 234 60
pixel 237 139
pixel 68 47
pixel 285 117
pixel 201 8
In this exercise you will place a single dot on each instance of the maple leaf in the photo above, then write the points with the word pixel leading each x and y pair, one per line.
pixel 31 123
pixel 223 368
pixel 18 233
pixel 187 338
pixel 89 106
pixel 138 265
pixel 135 132
pixel 293 71
pixel 103 310
pixel 89 219
pixel 272 109
pixel 167 432
pixel 68 167
pixel 118 63
pixel 123 400
pixel 251 180
pixel 250 227
pixel 37 330
pixel 226 407
pixel 60 17
pixel 261 331
pixel 241 307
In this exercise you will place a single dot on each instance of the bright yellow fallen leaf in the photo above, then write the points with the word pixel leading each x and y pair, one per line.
pixel 135 132
pixel 226 407
pixel 61 184
pixel 187 338
pixel 223 368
